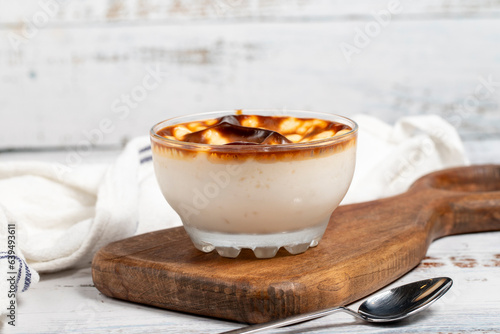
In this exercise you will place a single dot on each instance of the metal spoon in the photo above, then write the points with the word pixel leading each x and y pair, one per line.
pixel 387 306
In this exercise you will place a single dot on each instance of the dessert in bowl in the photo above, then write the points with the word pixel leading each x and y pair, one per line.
pixel 257 179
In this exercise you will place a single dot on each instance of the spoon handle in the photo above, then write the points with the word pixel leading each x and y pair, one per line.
pixel 292 320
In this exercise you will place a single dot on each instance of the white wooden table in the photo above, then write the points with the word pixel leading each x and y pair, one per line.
pixel 68 302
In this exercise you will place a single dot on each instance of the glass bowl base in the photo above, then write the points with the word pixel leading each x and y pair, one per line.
pixel 263 245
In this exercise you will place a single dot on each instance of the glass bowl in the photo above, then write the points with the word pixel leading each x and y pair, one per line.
pixel 260 197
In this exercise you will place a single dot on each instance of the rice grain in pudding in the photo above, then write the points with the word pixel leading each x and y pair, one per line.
pixel 255 181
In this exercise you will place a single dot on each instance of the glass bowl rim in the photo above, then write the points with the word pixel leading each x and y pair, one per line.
pixel 254 148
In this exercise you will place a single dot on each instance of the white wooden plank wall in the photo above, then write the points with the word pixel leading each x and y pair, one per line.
pixel 74 71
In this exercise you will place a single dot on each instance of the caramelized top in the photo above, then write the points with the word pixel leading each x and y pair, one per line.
pixel 254 130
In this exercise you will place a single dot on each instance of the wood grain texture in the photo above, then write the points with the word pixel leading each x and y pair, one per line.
pixel 97 11
pixel 68 77
pixel 365 247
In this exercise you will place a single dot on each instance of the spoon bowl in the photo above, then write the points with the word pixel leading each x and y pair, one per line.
pixel 403 301
pixel 388 306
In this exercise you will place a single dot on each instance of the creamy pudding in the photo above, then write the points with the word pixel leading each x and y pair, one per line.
pixel 254 180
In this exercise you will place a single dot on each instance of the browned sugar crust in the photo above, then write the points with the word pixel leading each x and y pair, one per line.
pixel 254 129
pixel 243 137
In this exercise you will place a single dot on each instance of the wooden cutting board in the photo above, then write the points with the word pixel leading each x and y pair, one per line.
pixel 365 247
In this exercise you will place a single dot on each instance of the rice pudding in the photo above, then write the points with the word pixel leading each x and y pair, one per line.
pixel 257 179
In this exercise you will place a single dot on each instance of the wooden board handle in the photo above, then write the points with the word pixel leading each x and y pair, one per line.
pixel 452 201
pixel 463 200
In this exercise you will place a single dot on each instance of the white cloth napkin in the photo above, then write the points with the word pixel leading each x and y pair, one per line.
pixel 390 158
pixel 62 215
